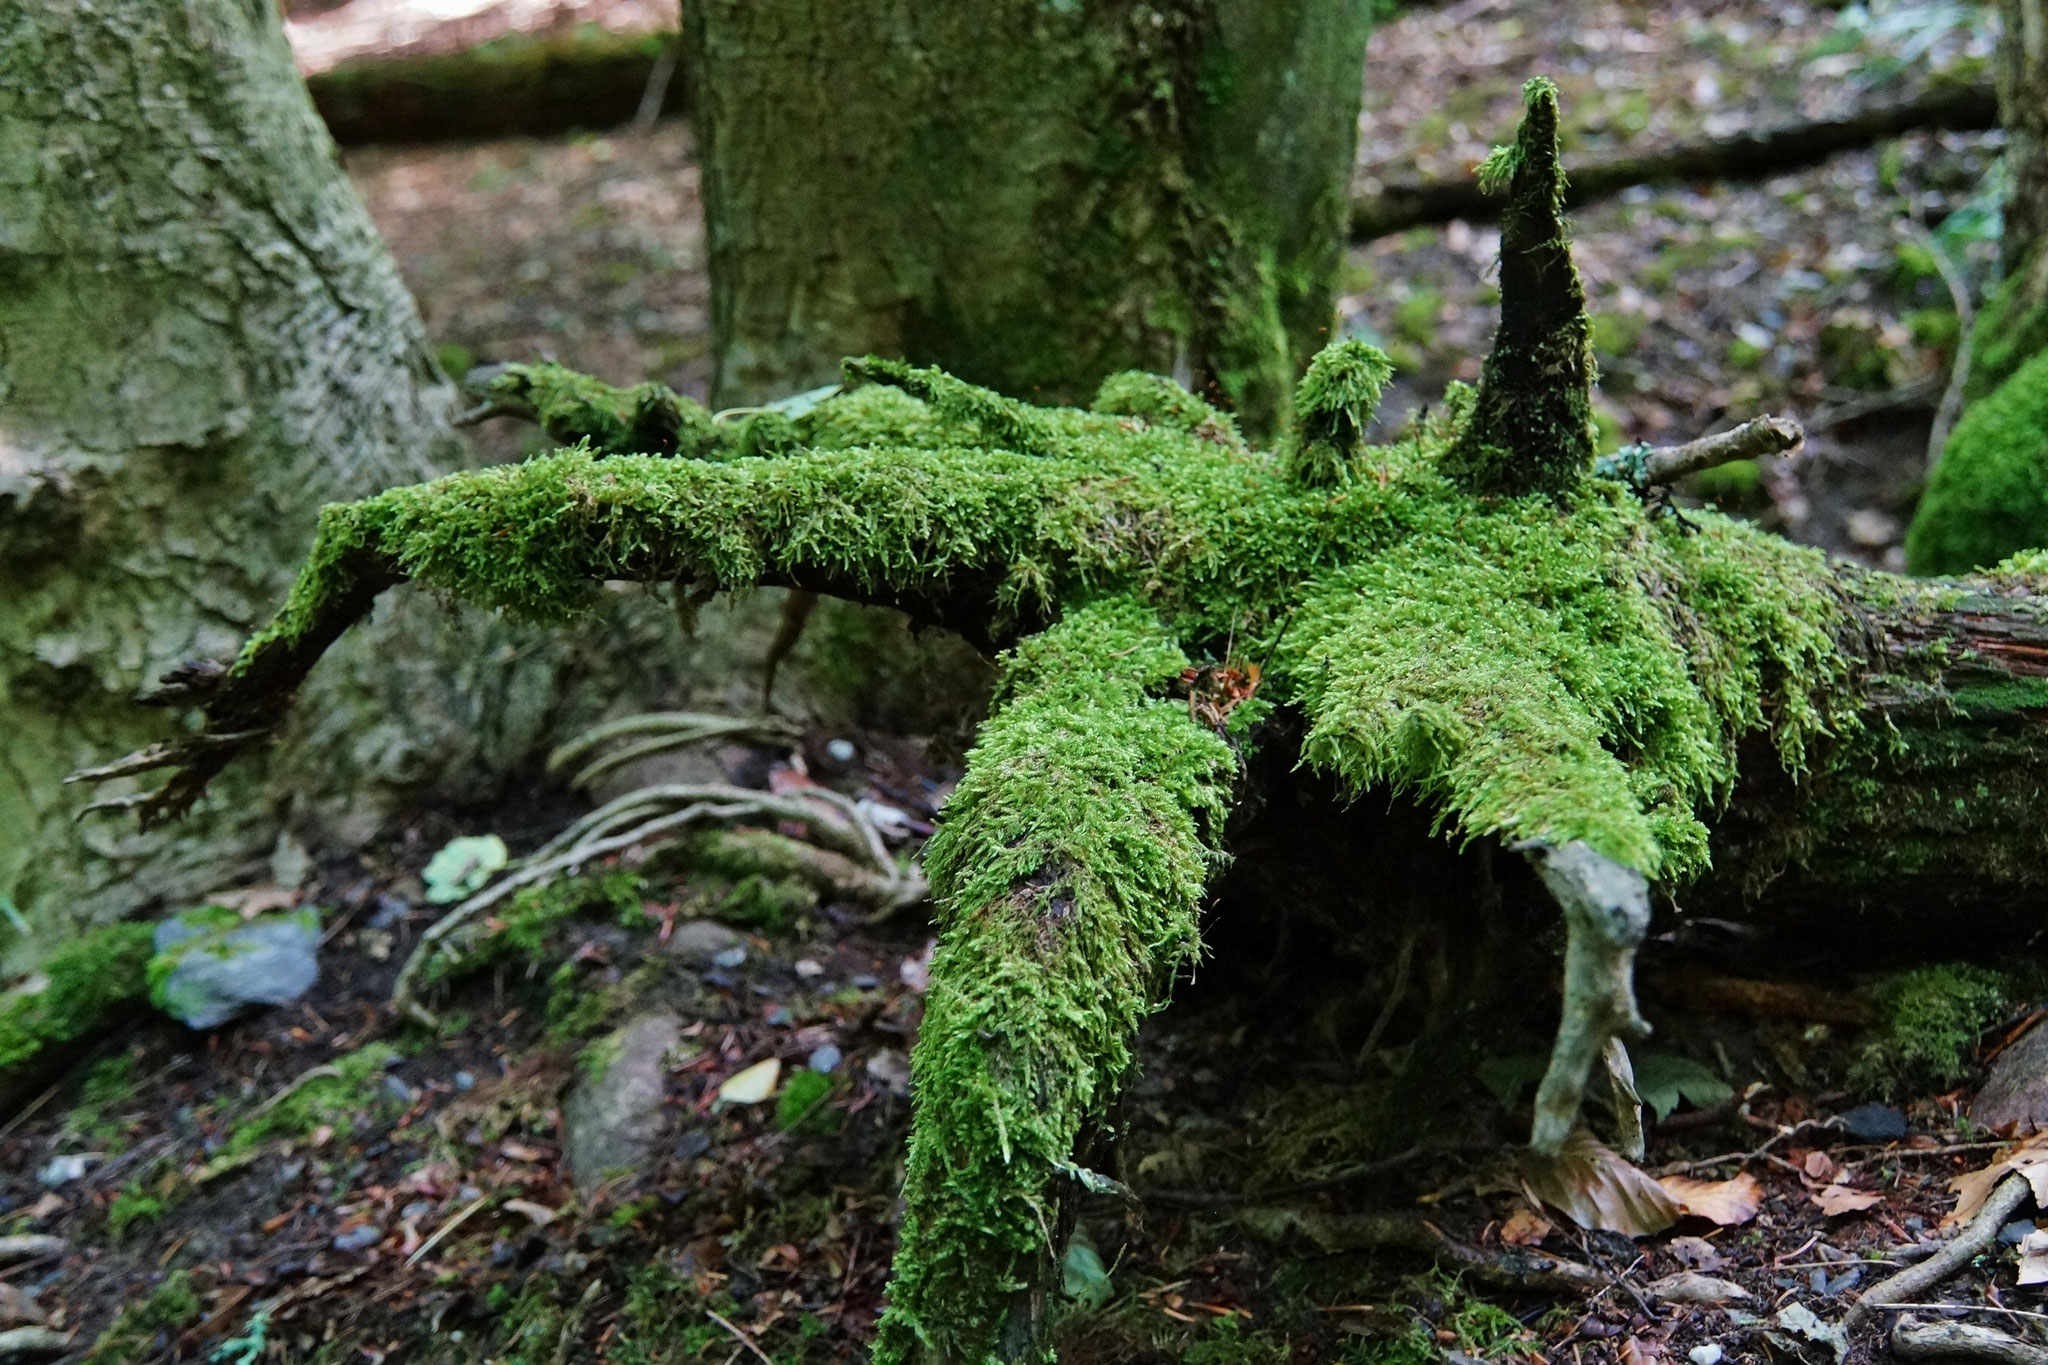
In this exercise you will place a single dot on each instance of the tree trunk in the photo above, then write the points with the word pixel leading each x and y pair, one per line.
pixel 204 340
pixel 1987 496
pixel 1034 195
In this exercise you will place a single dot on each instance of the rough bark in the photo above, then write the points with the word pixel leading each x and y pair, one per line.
pixel 203 341
pixel 1032 195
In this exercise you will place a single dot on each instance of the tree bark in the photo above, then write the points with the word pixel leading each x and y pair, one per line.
pixel 203 341
pixel 1032 195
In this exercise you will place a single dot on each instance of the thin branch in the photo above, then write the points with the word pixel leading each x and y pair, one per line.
pixel 1963 1248
pixel 1951 406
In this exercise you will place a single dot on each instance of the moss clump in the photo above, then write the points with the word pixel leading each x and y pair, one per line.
pixel 137 1333
pixel 1068 873
pixel 350 1089
pixel 1533 428
pixel 1336 401
pixel 646 419
pixel 2011 329
pixel 1928 1034
pixel 132 1205
pixel 523 930
pixel 1156 398
pixel 79 986
pixel 801 1107
pixel 1989 495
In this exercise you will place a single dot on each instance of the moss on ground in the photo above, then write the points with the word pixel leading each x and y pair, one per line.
pixel 1988 497
pixel 76 990
pixel 140 1331
pixel 1927 1037
pixel 347 1091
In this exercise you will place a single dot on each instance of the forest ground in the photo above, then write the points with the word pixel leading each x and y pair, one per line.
pixel 421 1208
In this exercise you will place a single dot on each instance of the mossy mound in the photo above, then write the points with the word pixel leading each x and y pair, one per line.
pixel 1988 497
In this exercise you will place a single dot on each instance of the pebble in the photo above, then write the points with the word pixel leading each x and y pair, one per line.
pixel 866 982
pixel 1709 1354
pixel 841 751
pixel 825 1060
pixel 731 957
pixel 2012 1234
pixel 779 1017
pixel 465 1081
pixel 358 1239
pixel 418 1208
pixel 398 1089
pixel 808 969
pixel 62 1170
pixel 1874 1123
pixel 692 1144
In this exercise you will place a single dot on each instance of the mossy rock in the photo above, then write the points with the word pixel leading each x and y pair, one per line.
pixel 211 965
pixel 78 988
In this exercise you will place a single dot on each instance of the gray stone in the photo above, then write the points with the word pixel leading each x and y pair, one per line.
pixel 2016 1090
pixel 211 966
pixel 614 1116
pixel 699 942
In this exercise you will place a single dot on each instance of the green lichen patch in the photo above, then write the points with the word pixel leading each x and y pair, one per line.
pixel 1068 873
pixel 1927 1035
pixel 81 985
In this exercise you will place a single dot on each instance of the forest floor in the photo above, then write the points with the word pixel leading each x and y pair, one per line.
pixel 221 1196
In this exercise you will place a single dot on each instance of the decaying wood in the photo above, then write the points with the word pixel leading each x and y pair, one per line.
pixel 1980 1233
pixel 1912 1340
pixel 1747 155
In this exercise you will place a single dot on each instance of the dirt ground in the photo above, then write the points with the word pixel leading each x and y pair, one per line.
pixel 424 1210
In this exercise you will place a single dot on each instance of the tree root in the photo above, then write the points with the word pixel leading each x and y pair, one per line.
pixel 1518 1269
pixel 1913 1340
pixel 657 732
pixel 652 817
pixel 1606 912
pixel 1963 1248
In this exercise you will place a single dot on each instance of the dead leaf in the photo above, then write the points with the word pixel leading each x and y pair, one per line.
pixel 1818 1166
pixel 1695 1253
pixel 752 1085
pixel 1974 1187
pixel 2034 1258
pixel 1595 1188
pixel 1636 1351
pixel 1838 1199
pixel 1689 1286
pixel 1525 1227
pixel 1729 1203
pixel 540 1214
pixel 252 901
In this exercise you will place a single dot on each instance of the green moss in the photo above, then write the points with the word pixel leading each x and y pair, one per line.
pixel 525 927
pixel 1336 401
pixel 1532 429
pixel 1068 873
pixel 79 986
pixel 137 1331
pixel 1989 494
pixel 1930 1019
pixel 350 1088
pixel 130 1206
pixel 1156 398
pixel 801 1106
pixel 573 408
pixel 2011 329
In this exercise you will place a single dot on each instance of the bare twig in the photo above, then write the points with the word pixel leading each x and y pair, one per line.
pixel 1757 439
pixel 741 1337
pixel 19 1342
pixel 23 1246
pixel 1981 1232
pixel 1951 405
pixel 453 1223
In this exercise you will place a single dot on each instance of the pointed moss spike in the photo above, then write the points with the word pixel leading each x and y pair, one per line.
pixel 1335 402
pixel 1532 428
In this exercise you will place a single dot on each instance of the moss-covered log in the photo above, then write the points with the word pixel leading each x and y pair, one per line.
pixel 1034 196
pixel 1543 661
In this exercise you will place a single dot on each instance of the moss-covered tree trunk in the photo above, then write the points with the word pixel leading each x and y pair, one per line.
pixel 1988 495
pixel 1034 195
pixel 203 340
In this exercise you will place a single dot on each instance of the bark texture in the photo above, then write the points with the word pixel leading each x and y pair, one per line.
pixel 203 340
pixel 1035 195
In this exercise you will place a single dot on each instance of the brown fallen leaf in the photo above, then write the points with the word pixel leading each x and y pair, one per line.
pixel 1974 1187
pixel 1636 1351
pixel 1597 1189
pixel 2034 1258
pixel 1838 1199
pixel 1727 1202
pixel 1689 1286
pixel 1525 1227
pixel 1818 1166
pixel 541 1214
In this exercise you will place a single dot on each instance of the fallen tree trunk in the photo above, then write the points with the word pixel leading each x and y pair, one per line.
pixel 1747 155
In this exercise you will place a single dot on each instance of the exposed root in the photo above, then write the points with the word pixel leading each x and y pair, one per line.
pixel 1982 1231
pixel 657 732
pixel 1913 1340
pixel 1606 912
pixel 1512 1268
pixel 653 817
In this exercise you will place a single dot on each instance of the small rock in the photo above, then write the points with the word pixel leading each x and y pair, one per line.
pixel 398 1089
pixel 2012 1234
pixel 1874 1123
pixel 824 1060
pixel 390 910
pixel 1709 1354
pixel 1871 529
pixel 358 1238
pixel 693 1144
pixel 866 981
pixel 2016 1088
pixel 417 1209
pixel 841 751
pixel 614 1115
pixel 62 1170
pixel 700 941
pixel 808 970
pixel 892 1069
pixel 465 1081
pixel 211 966
pixel 779 1017
pixel 729 958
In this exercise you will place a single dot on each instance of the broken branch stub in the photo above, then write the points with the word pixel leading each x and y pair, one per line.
pixel 1531 429
pixel 1606 908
